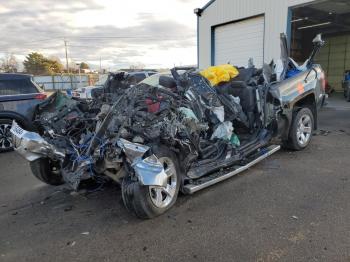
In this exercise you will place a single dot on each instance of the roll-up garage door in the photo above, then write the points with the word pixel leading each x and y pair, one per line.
pixel 238 41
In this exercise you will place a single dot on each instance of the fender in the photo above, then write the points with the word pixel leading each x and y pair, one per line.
pixel 308 100
pixel 22 120
pixel 305 100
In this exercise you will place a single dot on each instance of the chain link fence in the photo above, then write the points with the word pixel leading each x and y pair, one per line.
pixel 64 82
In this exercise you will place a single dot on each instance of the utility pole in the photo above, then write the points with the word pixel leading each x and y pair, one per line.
pixel 79 64
pixel 65 47
pixel 70 76
pixel 100 66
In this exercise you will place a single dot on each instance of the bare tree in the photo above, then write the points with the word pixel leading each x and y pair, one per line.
pixel 9 63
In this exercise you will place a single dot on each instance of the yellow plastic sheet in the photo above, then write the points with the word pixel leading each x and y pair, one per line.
pixel 220 73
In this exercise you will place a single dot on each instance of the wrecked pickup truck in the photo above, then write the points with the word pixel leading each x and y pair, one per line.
pixel 174 132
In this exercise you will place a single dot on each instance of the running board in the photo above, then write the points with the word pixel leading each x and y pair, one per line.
pixel 191 188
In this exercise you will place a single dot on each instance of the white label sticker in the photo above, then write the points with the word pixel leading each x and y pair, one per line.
pixel 17 130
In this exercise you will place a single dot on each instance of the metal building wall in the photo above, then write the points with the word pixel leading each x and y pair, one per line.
pixel 224 11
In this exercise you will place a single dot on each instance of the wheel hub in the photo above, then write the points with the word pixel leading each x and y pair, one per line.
pixel 161 197
pixel 5 136
pixel 304 130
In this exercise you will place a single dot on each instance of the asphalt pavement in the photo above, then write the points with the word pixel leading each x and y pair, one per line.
pixel 293 206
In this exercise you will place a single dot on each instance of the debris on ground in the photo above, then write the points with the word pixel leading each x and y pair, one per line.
pixel 68 208
pixel 71 243
pixel 322 133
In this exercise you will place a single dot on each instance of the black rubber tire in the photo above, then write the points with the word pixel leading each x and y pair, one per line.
pixel 292 143
pixel 348 95
pixel 42 169
pixel 6 121
pixel 137 198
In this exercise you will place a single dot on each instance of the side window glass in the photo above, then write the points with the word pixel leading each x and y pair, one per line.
pixel 17 87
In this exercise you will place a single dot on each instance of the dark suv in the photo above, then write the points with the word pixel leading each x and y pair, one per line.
pixel 19 95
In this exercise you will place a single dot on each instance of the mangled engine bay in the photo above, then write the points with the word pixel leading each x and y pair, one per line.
pixel 114 134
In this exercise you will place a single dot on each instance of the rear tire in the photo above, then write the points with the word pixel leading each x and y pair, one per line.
pixel 47 171
pixel 5 135
pixel 301 129
pixel 148 201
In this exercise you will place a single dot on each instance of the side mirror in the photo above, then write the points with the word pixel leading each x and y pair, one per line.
pixel 318 40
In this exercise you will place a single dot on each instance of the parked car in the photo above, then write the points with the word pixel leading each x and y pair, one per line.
pixel 174 133
pixel 19 95
pixel 87 92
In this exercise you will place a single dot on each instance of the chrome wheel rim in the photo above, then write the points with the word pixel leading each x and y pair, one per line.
pixel 5 136
pixel 161 197
pixel 304 130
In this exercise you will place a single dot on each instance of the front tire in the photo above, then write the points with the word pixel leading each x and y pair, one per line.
pixel 150 201
pixel 301 129
pixel 47 171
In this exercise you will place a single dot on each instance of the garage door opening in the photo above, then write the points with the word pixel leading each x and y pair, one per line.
pixel 332 19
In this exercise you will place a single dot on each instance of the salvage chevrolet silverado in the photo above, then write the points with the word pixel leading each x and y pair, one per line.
pixel 174 132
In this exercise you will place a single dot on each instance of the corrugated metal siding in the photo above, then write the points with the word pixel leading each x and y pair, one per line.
pixel 223 11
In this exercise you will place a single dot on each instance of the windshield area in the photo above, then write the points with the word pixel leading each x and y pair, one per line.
pixel 19 87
